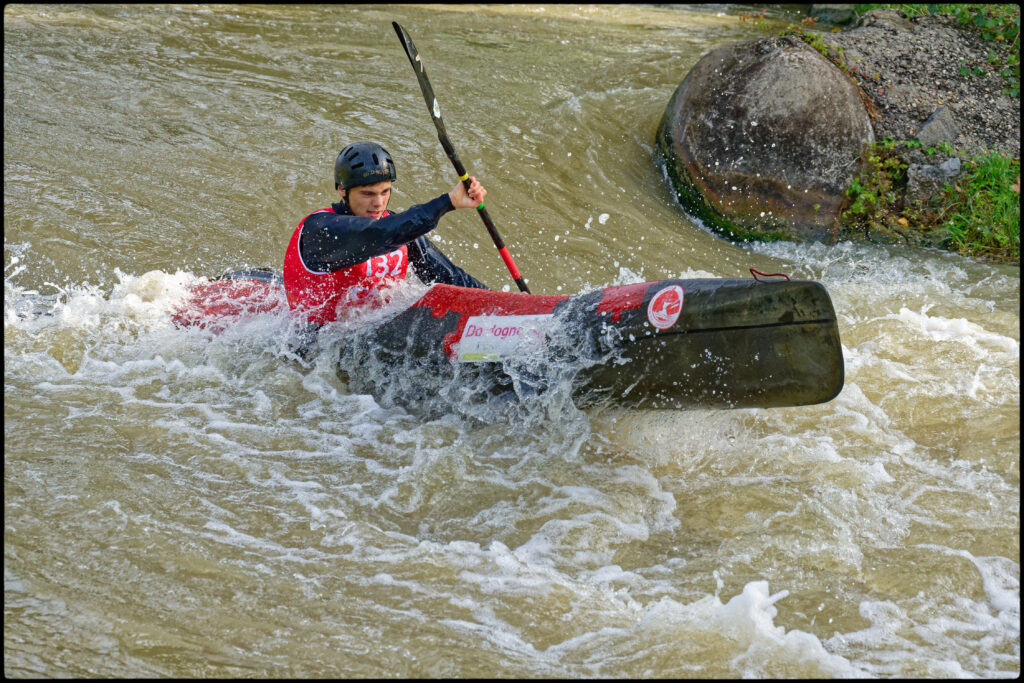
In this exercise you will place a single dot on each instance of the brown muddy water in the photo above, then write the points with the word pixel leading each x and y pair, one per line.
pixel 179 503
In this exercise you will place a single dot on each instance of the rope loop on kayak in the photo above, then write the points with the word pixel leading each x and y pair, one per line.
pixel 755 273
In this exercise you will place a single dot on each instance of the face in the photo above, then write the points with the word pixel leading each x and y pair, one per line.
pixel 369 201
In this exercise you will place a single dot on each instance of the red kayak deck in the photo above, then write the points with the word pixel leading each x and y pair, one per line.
pixel 218 303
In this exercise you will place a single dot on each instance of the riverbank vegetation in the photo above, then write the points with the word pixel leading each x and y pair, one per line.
pixel 977 212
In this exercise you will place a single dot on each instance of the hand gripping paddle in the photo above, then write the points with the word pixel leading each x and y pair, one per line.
pixel 442 135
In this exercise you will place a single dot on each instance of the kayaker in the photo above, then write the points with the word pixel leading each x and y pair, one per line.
pixel 342 255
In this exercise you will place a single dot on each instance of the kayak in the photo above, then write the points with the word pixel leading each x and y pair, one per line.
pixel 682 343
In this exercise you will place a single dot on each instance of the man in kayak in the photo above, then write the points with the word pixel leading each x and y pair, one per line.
pixel 342 255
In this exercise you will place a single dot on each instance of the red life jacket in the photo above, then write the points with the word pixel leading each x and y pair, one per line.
pixel 321 295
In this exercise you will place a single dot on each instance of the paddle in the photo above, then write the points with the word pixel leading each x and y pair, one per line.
pixel 442 135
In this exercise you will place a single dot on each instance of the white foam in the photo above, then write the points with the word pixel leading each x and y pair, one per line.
pixel 1000 576
pixel 958 330
pixel 746 640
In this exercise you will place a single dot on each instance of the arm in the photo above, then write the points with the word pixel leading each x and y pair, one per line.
pixel 431 266
pixel 335 241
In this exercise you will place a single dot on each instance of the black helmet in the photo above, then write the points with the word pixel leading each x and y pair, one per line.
pixel 362 163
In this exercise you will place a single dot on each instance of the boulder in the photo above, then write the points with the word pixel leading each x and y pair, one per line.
pixel 891 19
pixel 761 139
pixel 927 180
pixel 940 127
pixel 834 14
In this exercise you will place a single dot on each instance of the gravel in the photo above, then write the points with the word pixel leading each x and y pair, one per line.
pixel 911 67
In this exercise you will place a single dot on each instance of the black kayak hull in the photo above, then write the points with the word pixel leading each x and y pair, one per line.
pixel 735 343
pixel 686 343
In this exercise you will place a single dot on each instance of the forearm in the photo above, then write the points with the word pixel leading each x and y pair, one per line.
pixel 332 242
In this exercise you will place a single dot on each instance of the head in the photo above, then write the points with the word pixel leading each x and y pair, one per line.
pixel 363 173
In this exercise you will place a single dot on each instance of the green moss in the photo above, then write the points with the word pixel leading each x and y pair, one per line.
pixel 693 201
pixel 830 52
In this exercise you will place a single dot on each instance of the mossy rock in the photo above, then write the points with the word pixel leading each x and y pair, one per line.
pixel 761 139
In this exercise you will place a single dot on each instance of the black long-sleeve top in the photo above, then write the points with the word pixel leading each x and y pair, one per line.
pixel 332 241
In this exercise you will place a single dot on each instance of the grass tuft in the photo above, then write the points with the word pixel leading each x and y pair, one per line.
pixel 981 211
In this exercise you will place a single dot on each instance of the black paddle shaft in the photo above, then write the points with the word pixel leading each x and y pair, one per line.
pixel 442 135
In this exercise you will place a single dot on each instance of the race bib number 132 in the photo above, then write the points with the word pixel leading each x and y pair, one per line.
pixel 385 265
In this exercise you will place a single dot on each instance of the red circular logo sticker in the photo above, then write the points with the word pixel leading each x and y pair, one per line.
pixel 664 309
